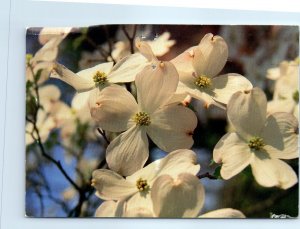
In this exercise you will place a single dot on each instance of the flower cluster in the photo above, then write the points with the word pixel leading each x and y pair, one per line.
pixel 135 98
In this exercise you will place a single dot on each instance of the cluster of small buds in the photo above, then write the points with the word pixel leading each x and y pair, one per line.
pixel 256 143
pixel 142 119
pixel 142 185
pixel 203 81
pixel 99 78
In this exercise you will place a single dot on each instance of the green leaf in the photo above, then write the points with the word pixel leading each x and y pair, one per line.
pixel 217 172
pixel 77 42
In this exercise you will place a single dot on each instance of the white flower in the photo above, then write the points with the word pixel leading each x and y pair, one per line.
pixel 116 110
pixel 165 188
pixel 48 33
pixel 134 194
pixel 259 141
pixel 199 67
pixel 286 92
pixel 43 60
pixel 101 75
pixel 160 46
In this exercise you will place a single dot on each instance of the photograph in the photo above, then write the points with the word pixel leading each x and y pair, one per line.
pixel 162 121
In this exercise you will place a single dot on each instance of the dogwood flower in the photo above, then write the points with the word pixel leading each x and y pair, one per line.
pixel 48 33
pixel 134 192
pixel 43 60
pixel 170 127
pixel 101 75
pixel 286 92
pixel 259 141
pixel 199 67
pixel 159 46
pixel 105 74
pixel 165 188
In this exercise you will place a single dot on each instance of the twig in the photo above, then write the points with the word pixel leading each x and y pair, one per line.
pixel 207 175
pixel 130 38
pixel 47 156
pixel 102 132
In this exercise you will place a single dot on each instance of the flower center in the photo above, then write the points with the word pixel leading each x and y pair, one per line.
pixel 203 81
pixel 99 78
pixel 296 96
pixel 256 143
pixel 142 119
pixel 142 185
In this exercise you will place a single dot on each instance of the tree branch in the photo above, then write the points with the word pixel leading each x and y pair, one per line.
pixel 207 175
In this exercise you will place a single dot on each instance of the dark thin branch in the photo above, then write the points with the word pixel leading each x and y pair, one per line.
pixel 130 38
pixel 102 132
pixel 47 156
pixel 207 175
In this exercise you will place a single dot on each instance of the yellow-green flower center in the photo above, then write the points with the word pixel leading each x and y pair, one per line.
pixel 142 185
pixel 142 119
pixel 256 143
pixel 100 78
pixel 203 81
pixel 296 96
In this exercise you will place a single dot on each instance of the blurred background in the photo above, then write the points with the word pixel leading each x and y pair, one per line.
pixel 76 145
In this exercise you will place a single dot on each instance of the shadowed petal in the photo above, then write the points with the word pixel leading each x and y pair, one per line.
pixel 225 86
pixel 234 154
pixel 181 197
pixel 172 128
pixel 247 112
pixel 270 172
pixel 128 152
pixel 113 107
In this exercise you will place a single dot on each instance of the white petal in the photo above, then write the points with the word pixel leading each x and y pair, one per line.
pixel 45 68
pixel 79 83
pixel 49 51
pixel 225 86
pixel 139 205
pixel 181 98
pixel 284 105
pixel 234 154
pixel 127 68
pixel 90 72
pixel 156 85
pixel 111 208
pixel 112 186
pixel 112 108
pixel 145 50
pixel 48 33
pixel 106 209
pixel 223 213
pixel 176 162
pixel 181 197
pixel 210 55
pixel 247 112
pixel 272 172
pixel 273 73
pixel 128 152
pixel 281 136
pixel 61 112
pixel 80 100
pixel 184 61
pixel 49 93
pixel 161 45
pixel 172 128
